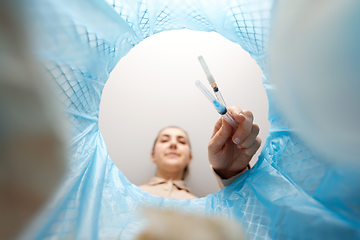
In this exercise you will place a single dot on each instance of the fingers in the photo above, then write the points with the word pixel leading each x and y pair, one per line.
pixel 245 127
pixel 217 127
pixel 222 132
pixel 245 136
pixel 250 139
pixel 238 114
pixel 253 149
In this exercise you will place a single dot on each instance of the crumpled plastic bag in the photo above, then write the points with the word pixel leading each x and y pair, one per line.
pixel 289 194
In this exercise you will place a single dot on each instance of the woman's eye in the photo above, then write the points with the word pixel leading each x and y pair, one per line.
pixel 163 140
pixel 182 142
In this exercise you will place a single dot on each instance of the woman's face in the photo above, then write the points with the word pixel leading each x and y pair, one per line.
pixel 172 150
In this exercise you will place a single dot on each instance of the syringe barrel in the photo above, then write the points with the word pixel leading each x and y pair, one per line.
pixel 220 97
pixel 229 118
pixel 222 110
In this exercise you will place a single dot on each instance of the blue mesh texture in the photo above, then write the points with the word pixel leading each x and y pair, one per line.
pixel 289 194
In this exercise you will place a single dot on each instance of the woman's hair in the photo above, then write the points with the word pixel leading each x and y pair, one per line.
pixel 186 169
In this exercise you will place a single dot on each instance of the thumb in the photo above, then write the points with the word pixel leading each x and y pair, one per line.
pixel 238 114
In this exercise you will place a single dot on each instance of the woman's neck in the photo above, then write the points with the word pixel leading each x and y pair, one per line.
pixel 167 175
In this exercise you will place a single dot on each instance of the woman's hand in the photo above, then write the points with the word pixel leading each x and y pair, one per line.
pixel 231 151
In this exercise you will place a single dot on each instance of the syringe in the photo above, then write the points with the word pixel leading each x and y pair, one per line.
pixel 220 108
pixel 211 80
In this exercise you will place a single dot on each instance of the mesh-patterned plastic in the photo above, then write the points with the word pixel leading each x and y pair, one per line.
pixel 289 194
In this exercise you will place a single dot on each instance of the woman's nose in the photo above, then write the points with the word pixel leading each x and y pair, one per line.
pixel 173 144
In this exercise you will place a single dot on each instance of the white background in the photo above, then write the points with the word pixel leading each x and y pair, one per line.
pixel 153 86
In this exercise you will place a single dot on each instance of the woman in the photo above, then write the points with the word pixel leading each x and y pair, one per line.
pixel 229 154
pixel 172 155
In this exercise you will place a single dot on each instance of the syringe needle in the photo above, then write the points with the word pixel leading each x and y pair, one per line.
pixel 209 76
pixel 220 108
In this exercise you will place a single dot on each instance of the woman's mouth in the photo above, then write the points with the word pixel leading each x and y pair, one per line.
pixel 172 154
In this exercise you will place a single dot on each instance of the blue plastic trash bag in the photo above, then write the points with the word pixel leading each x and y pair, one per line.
pixel 290 193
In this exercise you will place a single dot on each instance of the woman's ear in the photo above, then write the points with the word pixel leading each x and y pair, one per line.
pixel 190 158
pixel 153 157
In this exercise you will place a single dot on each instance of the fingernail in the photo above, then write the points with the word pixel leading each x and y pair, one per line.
pixel 236 140
pixel 241 114
pixel 238 146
